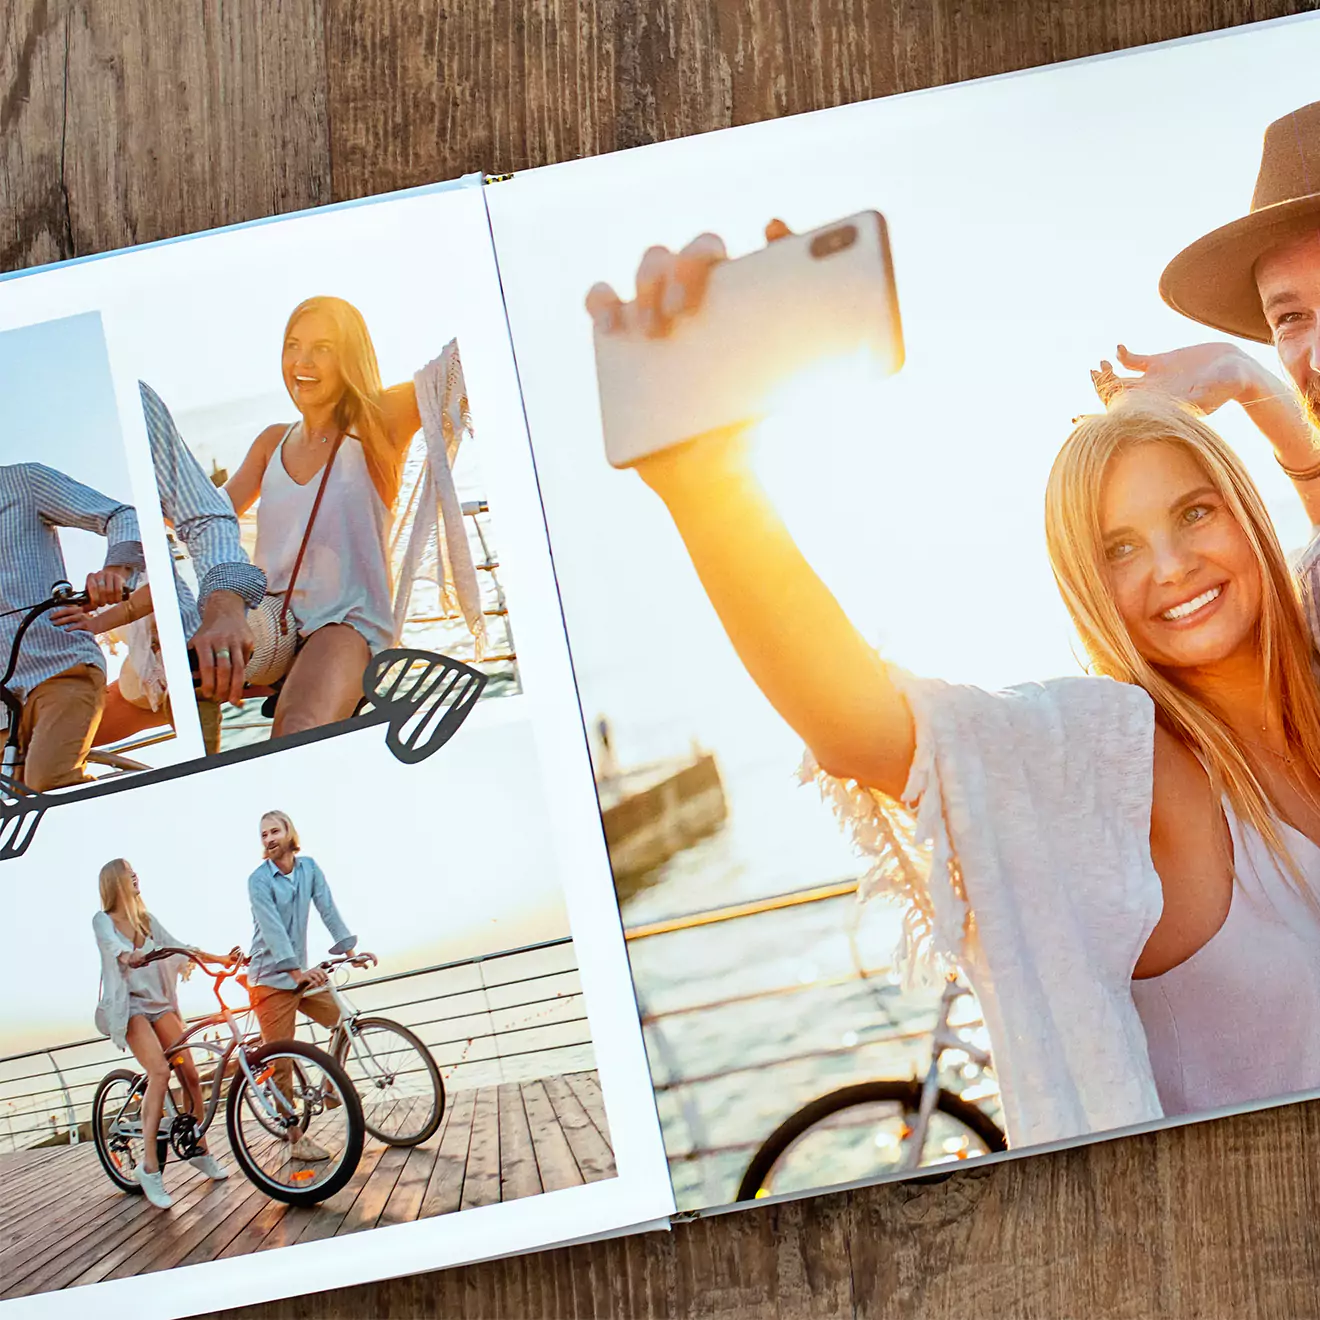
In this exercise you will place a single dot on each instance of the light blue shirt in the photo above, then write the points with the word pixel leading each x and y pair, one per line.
pixel 202 516
pixel 34 501
pixel 280 908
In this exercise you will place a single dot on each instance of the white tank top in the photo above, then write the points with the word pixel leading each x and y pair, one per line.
pixel 345 574
pixel 1236 1021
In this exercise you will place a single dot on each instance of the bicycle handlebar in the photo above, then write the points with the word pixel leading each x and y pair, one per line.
pixel 363 960
pixel 194 956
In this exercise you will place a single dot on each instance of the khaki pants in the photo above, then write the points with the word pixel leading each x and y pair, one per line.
pixel 277 1011
pixel 57 726
pixel 208 712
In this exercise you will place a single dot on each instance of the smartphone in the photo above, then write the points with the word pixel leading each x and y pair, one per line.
pixel 796 304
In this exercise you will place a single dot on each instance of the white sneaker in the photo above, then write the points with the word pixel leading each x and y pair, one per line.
pixel 208 1166
pixel 306 1150
pixel 153 1184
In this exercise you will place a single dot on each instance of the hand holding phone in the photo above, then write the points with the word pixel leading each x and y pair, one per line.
pixel 707 341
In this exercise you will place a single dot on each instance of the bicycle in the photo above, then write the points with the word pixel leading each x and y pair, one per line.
pixel 397 1079
pixel 259 1117
pixel 62 593
pixel 894 1116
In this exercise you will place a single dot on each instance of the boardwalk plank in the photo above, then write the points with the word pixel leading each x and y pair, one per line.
pixel 586 1086
pixel 481 1181
pixel 554 1156
pixel 66 1225
pixel 371 1200
pixel 591 1151
pixel 314 1223
pixel 444 1192
pixel 519 1175
pixel 405 1201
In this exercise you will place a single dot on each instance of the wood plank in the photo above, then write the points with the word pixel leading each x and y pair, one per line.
pixel 594 1157
pixel 124 1232
pixel 374 1194
pixel 444 1191
pixel 34 213
pixel 554 1156
pixel 315 1223
pixel 481 1179
pixel 164 1239
pixel 519 1175
pixel 586 1086
pixel 405 1203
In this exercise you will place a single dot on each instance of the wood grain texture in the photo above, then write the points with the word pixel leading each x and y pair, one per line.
pixel 125 120
pixel 422 91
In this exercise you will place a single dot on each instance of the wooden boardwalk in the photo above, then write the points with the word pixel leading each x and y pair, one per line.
pixel 63 1223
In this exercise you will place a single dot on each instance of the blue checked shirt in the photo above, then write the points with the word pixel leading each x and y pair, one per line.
pixel 35 500
pixel 202 517
pixel 281 905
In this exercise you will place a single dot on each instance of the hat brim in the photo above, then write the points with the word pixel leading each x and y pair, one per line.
pixel 1213 280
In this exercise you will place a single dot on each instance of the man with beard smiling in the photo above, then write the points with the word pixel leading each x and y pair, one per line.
pixel 1257 277
pixel 281 984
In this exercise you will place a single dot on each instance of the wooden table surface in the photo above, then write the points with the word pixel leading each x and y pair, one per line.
pixel 128 120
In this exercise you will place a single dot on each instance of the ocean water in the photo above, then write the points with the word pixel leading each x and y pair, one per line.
pixel 747 1020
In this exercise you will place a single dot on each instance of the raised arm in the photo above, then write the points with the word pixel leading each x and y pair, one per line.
pixel 1211 375
pixel 792 636
pixel 244 486
pixel 402 419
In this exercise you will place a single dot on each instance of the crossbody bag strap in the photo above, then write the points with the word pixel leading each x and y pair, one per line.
pixel 311 518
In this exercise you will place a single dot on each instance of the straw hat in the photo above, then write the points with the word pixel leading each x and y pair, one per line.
pixel 1213 280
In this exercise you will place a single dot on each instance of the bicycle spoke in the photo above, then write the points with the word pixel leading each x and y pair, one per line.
pixel 396 1080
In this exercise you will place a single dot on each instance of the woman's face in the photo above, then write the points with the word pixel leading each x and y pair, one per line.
pixel 133 880
pixel 1181 570
pixel 311 368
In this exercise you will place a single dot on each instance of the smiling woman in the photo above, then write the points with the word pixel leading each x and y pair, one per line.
pixel 1089 835
pixel 327 486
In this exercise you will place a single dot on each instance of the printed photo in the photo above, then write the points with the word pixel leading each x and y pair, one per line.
pixel 275 1037
pixel 302 396
pixel 1002 621
pixel 365 978
pixel 83 687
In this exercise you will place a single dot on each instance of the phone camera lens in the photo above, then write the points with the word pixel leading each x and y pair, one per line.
pixel 833 240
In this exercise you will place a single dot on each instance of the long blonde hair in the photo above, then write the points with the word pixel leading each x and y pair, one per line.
pixel 294 842
pixel 1074 538
pixel 359 411
pixel 116 880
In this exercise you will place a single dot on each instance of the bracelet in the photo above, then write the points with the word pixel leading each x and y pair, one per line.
pixel 1300 474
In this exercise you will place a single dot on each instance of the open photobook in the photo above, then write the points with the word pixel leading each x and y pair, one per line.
pixel 761 663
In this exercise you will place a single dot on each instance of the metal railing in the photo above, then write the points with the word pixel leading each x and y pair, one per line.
pixel 735 1052
pixel 502 1017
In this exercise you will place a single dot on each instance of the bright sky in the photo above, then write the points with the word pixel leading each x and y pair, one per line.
pixel 1030 218
pixel 398 263
pixel 60 410
pixel 440 860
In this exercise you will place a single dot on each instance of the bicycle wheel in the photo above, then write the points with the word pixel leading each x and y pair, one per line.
pixel 317 1098
pixel 117 1128
pixel 273 1123
pixel 402 1093
pixel 858 1132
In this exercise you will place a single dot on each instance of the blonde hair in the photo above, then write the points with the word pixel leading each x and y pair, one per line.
pixel 284 820
pixel 116 881
pixel 359 411
pixel 1075 541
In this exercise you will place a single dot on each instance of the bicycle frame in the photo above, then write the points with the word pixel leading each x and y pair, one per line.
pixel 944 1039
pixel 222 1053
